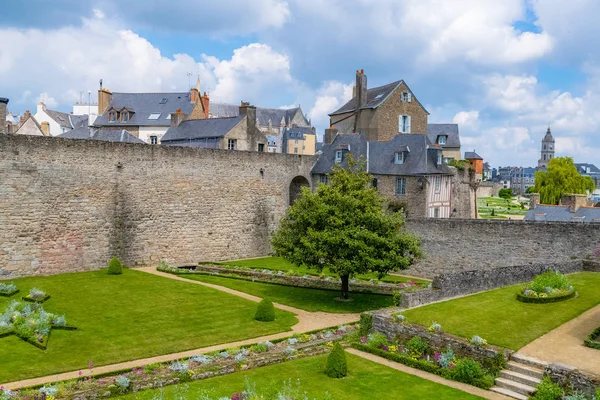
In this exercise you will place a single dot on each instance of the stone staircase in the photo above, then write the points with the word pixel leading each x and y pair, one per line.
pixel 520 378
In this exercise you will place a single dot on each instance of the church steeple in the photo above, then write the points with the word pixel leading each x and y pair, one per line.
pixel 548 150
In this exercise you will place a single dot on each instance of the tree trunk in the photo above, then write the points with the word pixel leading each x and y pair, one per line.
pixel 345 289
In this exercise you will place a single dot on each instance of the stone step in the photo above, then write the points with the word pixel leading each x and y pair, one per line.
pixel 532 362
pixel 525 369
pixel 509 393
pixel 521 378
pixel 515 386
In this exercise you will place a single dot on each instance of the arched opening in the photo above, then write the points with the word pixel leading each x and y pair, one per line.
pixel 296 187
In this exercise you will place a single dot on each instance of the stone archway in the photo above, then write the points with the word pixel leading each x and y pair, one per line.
pixel 296 187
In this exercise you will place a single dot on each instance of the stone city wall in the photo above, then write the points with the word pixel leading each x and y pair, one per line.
pixel 570 377
pixel 71 205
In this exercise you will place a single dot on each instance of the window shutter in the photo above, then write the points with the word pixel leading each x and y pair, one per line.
pixel 409 97
pixel 408 124
pixel 400 123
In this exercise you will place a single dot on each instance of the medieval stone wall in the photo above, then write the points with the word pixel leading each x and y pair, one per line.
pixel 71 205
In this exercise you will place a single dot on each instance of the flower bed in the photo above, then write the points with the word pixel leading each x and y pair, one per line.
pixel 593 340
pixel 31 323
pixel 8 289
pixel 197 367
pixel 36 296
pixel 549 287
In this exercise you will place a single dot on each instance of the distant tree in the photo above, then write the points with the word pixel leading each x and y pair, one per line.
pixel 505 194
pixel 344 227
pixel 561 178
pixel 530 190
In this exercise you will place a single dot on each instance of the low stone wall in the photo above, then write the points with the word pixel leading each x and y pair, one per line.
pixel 307 281
pixel 383 322
pixel 567 376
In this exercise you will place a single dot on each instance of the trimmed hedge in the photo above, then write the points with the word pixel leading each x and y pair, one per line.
pixel 337 366
pixel 115 267
pixel 545 300
pixel 265 312
pixel 9 294
pixel 32 300
pixel 366 324
pixel 592 340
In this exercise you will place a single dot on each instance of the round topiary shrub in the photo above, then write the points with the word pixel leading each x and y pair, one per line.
pixel 336 366
pixel 115 267
pixel 549 287
pixel 265 312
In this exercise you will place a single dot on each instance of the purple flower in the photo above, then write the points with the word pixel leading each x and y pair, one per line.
pixel 364 339
pixel 80 373
pixel 91 364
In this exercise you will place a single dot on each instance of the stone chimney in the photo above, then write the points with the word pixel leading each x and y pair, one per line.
pixel 206 105
pixel 104 99
pixel 177 118
pixel 3 109
pixel 361 89
pixel 574 201
pixel 250 113
pixel 45 126
pixel 329 135
pixel 534 200
pixel 194 95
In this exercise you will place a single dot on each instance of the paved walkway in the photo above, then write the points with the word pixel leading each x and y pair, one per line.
pixel 565 344
pixel 307 321
pixel 486 394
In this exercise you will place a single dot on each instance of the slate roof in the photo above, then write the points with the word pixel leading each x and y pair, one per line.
pixel 449 130
pixel 582 168
pixel 471 155
pixel 263 115
pixel 105 135
pixel 420 160
pixel 78 133
pixel 297 132
pixel 563 214
pixel 144 104
pixel 201 128
pixel 375 97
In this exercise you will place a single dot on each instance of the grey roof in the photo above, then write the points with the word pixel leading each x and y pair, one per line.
pixel 105 135
pixel 375 97
pixel 61 118
pixel 582 168
pixel 420 160
pixel 201 128
pixel 144 104
pixel 563 214
pixel 471 155
pixel 297 132
pixel 78 121
pixel 78 133
pixel 449 130
pixel 548 137
pixel 263 115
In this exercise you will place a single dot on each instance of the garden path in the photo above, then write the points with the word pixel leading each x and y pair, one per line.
pixel 486 394
pixel 565 344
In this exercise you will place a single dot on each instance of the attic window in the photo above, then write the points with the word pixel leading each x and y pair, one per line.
pixel 168 116
pixel 441 139
pixel 154 116
pixel 440 159
pixel 399 157
pixel 406 97
pixel 339 156
pixel 112 116
pixel 163 101
pixel 124 116
pixel 380 95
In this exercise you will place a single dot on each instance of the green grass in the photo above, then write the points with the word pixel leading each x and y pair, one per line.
pixel 365 380
pixel 279 264
pixel 502 320
pixel 302 298
pixel 485 205
pixel 126 317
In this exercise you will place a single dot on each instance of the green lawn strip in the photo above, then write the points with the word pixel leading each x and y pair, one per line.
pixel 365 380
pixel 501 319
pixel 279 264
pixel 302 298
pixel 126 317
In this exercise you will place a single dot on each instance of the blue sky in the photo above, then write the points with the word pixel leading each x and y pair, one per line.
pixel 502 70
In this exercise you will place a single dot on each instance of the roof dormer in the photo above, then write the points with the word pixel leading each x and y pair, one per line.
pixel 442 139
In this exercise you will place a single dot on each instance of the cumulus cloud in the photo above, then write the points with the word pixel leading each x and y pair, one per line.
pixel 466 118
pixel 331 96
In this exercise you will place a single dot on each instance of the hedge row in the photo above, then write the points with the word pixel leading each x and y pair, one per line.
pixel 545 300
pixel 592 340
pixel 9 294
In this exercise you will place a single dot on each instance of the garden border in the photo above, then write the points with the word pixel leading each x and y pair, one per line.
pixel 40 301
pixel 545 300
pixel 9 294
pixel 34 342
pixel 593 340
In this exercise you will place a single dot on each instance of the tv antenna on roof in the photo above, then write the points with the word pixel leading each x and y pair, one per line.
pixel 100 84
pixel 189 75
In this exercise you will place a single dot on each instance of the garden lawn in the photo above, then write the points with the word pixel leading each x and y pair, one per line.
pixel 279 264
pixel 499 318
pixel 126 317
pixel 366 380
pixel 298 297
pixel 501 208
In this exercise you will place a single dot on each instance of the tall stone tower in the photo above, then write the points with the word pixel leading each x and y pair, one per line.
pixel 547 151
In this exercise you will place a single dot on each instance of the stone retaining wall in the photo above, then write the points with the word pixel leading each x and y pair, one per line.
pixel 567 376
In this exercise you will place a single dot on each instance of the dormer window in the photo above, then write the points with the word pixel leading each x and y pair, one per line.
pixel 339 156
pixel 124 116
pixel 112 116
pixel 441 139
pixel 406 97
pixel 399 157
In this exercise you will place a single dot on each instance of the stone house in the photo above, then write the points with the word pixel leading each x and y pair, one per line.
pixel 30 126
pixel 299 140
pixel 55 123
pixel 230 133
pixel 409 170
pixel 447 137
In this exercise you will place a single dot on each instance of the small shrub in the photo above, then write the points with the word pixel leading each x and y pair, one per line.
pixel 265 312
pixel 259 348
pixel 547 390
pixel 377 340
pixel 366 324
pixel 575 396
pixel 6 288
pixel 550 279
pixel 115 267
pixel 445 359
pixel 417 346
pixel 498 363
pixel 435 328
pixel 397 298
pixel 201 359
pixel 468 371
pixel 122 382
pixel 337 366
pixel 48 391
pixel 180 367
pixel 36 293
pixel 399 318
pixel 289 351
pixel 478 341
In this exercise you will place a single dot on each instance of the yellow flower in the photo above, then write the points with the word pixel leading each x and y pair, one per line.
pixel 329 344
pixel 393 349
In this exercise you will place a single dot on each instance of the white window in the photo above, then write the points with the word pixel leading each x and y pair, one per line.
pixel 168 116
pixel 399 157
pixel 400 186
pixel 447 160
pixel 404 124
pixel 154 116
pixel 112 116
pixel 440 158
pixel 406 97
pixel 324 178
pixel 438 183
pixel 441 139
pixel 231 144
pixel 339 156
pixel 153 139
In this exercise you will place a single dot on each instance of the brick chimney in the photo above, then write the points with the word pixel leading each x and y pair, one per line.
pixel 250 113
pixel 45 126
pixel 329 135
pixel 361 89
pixel 194 95
pixel 206 105
pixel 3 109
pixel 177 118
pixel 104 99
pixel 574 201
pixel 534 200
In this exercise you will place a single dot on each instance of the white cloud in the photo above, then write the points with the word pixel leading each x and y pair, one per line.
pixel 467 118
pixel 48 100
pixel 330 97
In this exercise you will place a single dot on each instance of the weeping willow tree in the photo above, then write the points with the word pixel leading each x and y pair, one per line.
pixel 561 178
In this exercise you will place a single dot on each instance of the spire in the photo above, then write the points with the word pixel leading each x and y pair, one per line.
pixel 198 84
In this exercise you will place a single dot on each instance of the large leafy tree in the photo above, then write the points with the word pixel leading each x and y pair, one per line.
pixel 344 227
pixel 561 178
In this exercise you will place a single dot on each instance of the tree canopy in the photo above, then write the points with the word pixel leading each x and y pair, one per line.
pixel 561 178
pixel 505 194
pixel 344 227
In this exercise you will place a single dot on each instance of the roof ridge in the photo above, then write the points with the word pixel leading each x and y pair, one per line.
pixel 150 92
